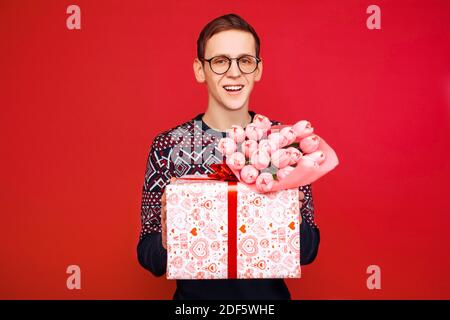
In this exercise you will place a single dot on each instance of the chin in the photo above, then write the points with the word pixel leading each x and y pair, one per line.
pixel 234 106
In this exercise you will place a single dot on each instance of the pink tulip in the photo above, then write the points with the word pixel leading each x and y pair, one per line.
pixel 226 146
pixel 318 156
pixel 294 154
pixel 267 145
pixel 248 147
pixel 236 161
pixel 309 144
pixel 283 173
pixel 249 174
pixel 237 133
pixel 264 182
pixel 302 129
pixel 289 134
pixel 260 159
pixel 279 140
pixel 253 132
pixel 262 122
pixel 280 158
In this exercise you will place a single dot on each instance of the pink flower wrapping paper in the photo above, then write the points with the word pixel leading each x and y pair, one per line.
pixel 268 231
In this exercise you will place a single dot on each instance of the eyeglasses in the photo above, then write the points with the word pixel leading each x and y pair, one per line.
pixel 221 64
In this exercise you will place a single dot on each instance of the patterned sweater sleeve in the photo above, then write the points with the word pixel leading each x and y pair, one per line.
pixel 309 232
pixel 151 254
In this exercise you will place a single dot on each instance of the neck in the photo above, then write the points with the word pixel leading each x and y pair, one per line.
pixel 221 119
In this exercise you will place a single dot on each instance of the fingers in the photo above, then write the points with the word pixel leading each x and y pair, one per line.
pixel 163 220
pixel 163 206
pixel 163 198
pixel 163 216
pixel 164 236
pixel 301 195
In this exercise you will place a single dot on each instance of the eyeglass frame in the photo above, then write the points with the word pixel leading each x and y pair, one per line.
pixel 258 60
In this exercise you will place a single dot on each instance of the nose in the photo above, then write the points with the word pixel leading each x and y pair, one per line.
pixel 234 70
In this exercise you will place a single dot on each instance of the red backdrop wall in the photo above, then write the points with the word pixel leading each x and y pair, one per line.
pixel 80 108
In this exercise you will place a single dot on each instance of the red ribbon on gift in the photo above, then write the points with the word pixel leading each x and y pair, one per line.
pixel 223 173
pixel 232 229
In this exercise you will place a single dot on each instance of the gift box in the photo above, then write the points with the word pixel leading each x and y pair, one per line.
pixel 224 230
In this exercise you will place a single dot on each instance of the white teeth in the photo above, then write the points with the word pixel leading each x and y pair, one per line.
pixel 233 88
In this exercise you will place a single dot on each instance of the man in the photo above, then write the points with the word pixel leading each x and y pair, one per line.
pixel 228 63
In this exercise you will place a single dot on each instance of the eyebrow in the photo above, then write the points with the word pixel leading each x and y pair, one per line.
pixel 227 55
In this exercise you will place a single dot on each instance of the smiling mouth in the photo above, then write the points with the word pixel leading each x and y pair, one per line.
pixel 233 88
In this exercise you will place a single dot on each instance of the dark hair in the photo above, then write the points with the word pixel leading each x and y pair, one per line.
pixel 227 22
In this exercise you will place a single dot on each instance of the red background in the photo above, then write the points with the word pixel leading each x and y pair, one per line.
pixel 80 108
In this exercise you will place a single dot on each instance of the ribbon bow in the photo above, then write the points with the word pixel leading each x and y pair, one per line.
pixel 222 172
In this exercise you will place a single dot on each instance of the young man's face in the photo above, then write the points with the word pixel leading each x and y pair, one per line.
pixel 233 44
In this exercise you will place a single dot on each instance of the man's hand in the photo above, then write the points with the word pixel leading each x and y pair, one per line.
pixel 301 198
pixel 163 216
pixel 163 220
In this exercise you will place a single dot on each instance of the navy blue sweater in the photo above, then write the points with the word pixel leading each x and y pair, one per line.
pixel 196 142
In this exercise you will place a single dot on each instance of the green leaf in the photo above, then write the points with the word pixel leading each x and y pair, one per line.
pixel 294 144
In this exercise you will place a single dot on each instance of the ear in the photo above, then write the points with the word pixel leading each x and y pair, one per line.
pixel 258 72
pixel 199 72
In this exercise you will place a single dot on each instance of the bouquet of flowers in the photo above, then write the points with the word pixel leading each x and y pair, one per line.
pixel 270 158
